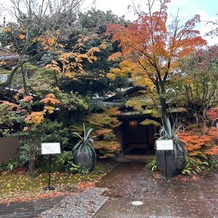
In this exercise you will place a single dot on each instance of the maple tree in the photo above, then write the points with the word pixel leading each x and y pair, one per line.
pixel 151 48
pixel 201 144
pixel 103 121
pixel 196 85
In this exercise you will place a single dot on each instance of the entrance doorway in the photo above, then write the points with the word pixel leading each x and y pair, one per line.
pixel 137 139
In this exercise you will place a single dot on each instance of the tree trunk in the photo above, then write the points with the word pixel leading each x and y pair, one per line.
pixel 31 165
pixel 164 111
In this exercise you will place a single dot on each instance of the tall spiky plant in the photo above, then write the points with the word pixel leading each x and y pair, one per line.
pixel 170 132
pixel 85 144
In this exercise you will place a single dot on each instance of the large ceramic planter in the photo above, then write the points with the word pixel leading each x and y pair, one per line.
pixel 84 160
pixel 168 165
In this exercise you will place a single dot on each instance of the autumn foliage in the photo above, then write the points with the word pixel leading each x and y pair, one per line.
pixel 199 144
pixel 104 123
pixel 151 48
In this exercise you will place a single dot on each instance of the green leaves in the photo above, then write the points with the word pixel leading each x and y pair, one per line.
pixel 170 132
pixel 86 142
pixel 196 165
pixel 147 122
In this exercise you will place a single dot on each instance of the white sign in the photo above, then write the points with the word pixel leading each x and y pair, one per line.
pixel 51 148
pixel 164 144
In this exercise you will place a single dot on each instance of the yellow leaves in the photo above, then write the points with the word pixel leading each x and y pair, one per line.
pixel 7 29
pixel 115 57
pixel 49 109
pixel 122 72
pixel 79 58
pixel 91 59
pixel 64 57
pixel 50 99
pixel 21 36
pixel 70 64
pixel 136 104
pixel 53 67
pixel 35 117
pixel 104 45
pixel 128 67
pixel 143 81
pixel 51 41
pixel 70 75
pixel 111 76
pixel 103 119
pixel 92 50
pixel 90 54
pixel 112 146
pixel 82 40
pixel 147 122
pixel 54 62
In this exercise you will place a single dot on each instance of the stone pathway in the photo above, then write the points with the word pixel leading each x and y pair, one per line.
pixel 161 198
pixel 114 193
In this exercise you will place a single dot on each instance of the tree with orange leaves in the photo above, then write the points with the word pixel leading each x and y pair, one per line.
pixel 151 48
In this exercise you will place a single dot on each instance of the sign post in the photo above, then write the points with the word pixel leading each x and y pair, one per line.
pixel 50 148
pixel 164 145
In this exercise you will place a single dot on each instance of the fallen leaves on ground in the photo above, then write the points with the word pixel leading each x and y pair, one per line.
pixel 84 185
pixel 18 186
pixel 25 197
pixel 183 178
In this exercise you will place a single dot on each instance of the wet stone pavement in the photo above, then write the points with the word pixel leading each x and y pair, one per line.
pixel 133 181
pixel 160 197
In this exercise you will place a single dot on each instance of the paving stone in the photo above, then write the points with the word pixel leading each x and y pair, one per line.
pixel 122 207
pixel 27 209
pixel 191 209
pixel 16 208
pixel 46 203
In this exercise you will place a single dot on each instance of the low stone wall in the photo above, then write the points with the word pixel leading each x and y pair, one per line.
pixel 8 148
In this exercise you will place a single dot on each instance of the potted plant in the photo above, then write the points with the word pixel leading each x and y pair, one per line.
pixel 84 153
pixel 171 162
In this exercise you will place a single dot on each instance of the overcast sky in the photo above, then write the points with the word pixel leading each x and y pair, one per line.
pixel 207 9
